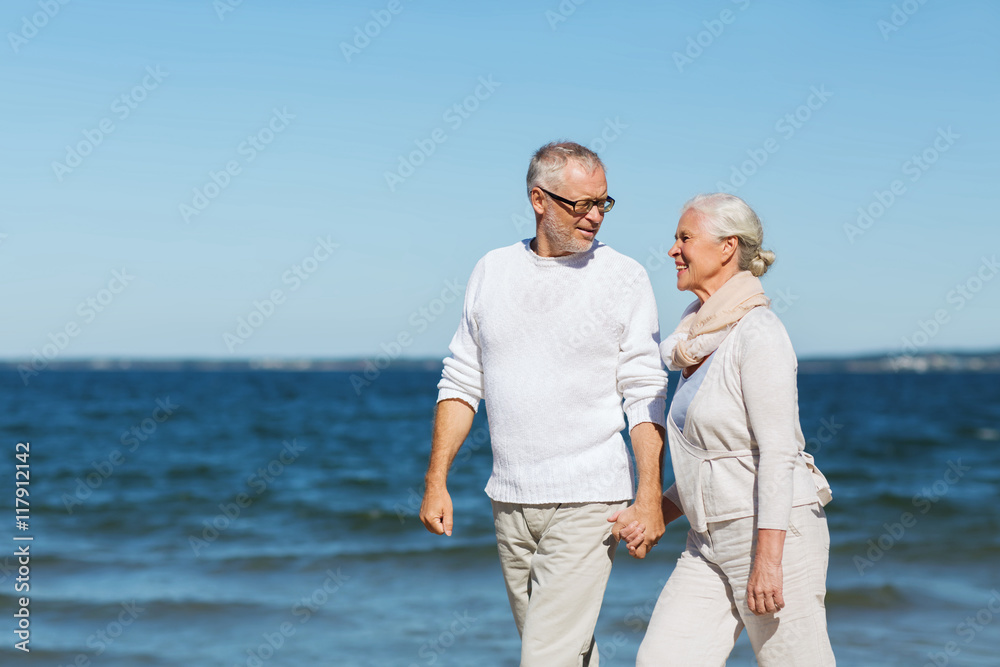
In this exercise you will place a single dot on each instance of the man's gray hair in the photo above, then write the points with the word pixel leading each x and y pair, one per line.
pixel 549 161
pixel 727 215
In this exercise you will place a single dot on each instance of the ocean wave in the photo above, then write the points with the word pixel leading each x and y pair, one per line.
pixel 82 608
pixel 885 596
pixel 362 548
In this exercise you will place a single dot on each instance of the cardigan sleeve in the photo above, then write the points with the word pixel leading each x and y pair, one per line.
pixel 768 378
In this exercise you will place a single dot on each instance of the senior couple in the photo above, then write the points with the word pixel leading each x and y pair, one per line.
pixel 560 338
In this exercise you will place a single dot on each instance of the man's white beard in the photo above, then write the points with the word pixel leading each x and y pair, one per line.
pixel 562 238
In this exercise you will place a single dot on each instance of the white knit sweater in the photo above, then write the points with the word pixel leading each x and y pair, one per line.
pixel 555 345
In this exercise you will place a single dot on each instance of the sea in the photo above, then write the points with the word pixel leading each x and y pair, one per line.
pixel 249 518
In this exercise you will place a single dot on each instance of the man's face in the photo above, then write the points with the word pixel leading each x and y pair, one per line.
pixel 561 231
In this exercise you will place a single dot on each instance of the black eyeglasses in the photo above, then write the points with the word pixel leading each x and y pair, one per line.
pixel 583 206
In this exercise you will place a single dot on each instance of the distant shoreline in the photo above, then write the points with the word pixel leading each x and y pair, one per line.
pixel 930 362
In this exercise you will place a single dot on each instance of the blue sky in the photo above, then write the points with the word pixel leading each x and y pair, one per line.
pixel 169 169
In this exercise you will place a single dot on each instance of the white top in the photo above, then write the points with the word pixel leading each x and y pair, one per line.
pixel 741 451
pixel 561 349
pixel 686 390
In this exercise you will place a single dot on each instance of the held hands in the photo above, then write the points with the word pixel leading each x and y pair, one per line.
pixel 641 525
pixel 634 535
pixel 634 532
pixel 436 511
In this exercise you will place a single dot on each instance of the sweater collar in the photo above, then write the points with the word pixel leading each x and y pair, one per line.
pixel 576 259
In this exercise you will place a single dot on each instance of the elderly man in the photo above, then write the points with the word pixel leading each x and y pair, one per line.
pixel 559 335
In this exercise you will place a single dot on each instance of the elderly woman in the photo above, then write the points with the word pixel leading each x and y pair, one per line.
pixel 758 547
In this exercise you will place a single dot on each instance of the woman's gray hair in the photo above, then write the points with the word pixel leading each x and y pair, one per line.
pixel 548 162
pixel 727 215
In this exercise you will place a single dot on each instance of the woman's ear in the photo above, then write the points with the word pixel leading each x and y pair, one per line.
pixel 730 246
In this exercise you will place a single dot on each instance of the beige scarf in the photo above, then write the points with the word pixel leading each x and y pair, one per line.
pixel 703 327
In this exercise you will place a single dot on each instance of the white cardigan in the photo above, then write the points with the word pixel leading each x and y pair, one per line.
pixel 742 451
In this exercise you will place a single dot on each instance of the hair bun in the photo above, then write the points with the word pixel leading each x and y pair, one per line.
pixel 759 264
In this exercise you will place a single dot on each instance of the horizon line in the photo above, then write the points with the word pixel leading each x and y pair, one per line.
pixel 384 361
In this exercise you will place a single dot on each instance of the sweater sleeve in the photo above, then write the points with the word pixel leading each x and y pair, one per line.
pixel 768 374
pixel 642 382
pixel 462 377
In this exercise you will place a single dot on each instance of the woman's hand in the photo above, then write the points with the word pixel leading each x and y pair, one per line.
pixel 764 588
pixel 633 536
pixel 634 533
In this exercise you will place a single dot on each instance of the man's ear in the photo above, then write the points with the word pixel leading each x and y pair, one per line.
pixel 538 201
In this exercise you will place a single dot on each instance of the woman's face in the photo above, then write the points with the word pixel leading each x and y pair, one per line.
pixel 702 262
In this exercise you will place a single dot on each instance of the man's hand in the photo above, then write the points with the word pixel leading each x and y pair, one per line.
pixel 452 421
pixel 647 445
pixel 643 523
pixel 633 534
pixel 436 511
